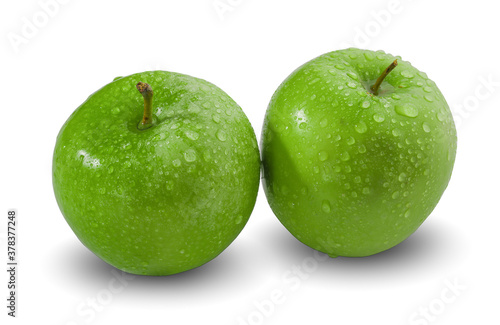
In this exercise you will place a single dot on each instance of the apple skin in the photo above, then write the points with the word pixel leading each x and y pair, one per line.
pixel 162 200
pixel 350 173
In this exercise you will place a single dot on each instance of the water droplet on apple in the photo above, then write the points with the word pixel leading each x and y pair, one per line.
pixel 352 75
pixel 379 118
pixel 192 135
pixel 351 141
pixel 365 104
pixel 221 135
pixel 395 195
pixel 323 155
pixel 190 155
pixel 429 98
pixel 357 179
pixel 440 116
pixel 407 213
pixel 402 177
pixel 216 118
pixel 426 127
pixel 360 127
pixel 366 190
pixel 407 74
pixel 344 156
pixel 302 125
pixel 361 148
pixel 395 96
pixel 238 219
pixel 339 66
pixel 326 206
pixel 115 110
pixel 369 56
pixel 408 110
pixel 427 89
pixel 176 162
pixel 396 132
pixel 324 122
pixel 351 85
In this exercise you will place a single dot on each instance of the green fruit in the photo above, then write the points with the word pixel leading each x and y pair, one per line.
pixel 165 195
pixel 351 169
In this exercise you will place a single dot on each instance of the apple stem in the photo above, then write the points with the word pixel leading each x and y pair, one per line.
pixel 384 74
pixel 146 92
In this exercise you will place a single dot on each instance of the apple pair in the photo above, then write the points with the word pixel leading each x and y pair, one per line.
pixel 355 156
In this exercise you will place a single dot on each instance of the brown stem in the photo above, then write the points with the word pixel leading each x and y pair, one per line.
pixel 384 74
pixel 146 92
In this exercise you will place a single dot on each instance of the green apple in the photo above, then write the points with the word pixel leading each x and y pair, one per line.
pixel 356 157
pixel 159 190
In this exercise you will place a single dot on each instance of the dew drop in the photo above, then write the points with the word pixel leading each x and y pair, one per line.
pixel 216 118
pixel 323 155
pixel 351 141
pixel 221 135
pixel 369 56
pixel 352 75
pixel 192 135
pixel 323 123
pixel 302 125
pixel 407 110
pixel 426 127
pixel 402 177
pixel 366 190
pixel 395 195
pixel 365 104
pixel 407 74
pixel 407 213
pixel 344 156
pixel 428 98
pixel 238 219
pixel 379 118
pixel 361 127
pixel 326 206
pixel 176 163
pixel 351 85
pixel 361 148
pixel 190 155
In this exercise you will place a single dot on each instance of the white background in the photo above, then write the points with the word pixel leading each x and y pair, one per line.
pixel 445 273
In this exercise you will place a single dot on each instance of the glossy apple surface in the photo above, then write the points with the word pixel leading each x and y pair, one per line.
pixel 348 172
pixel 164 199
